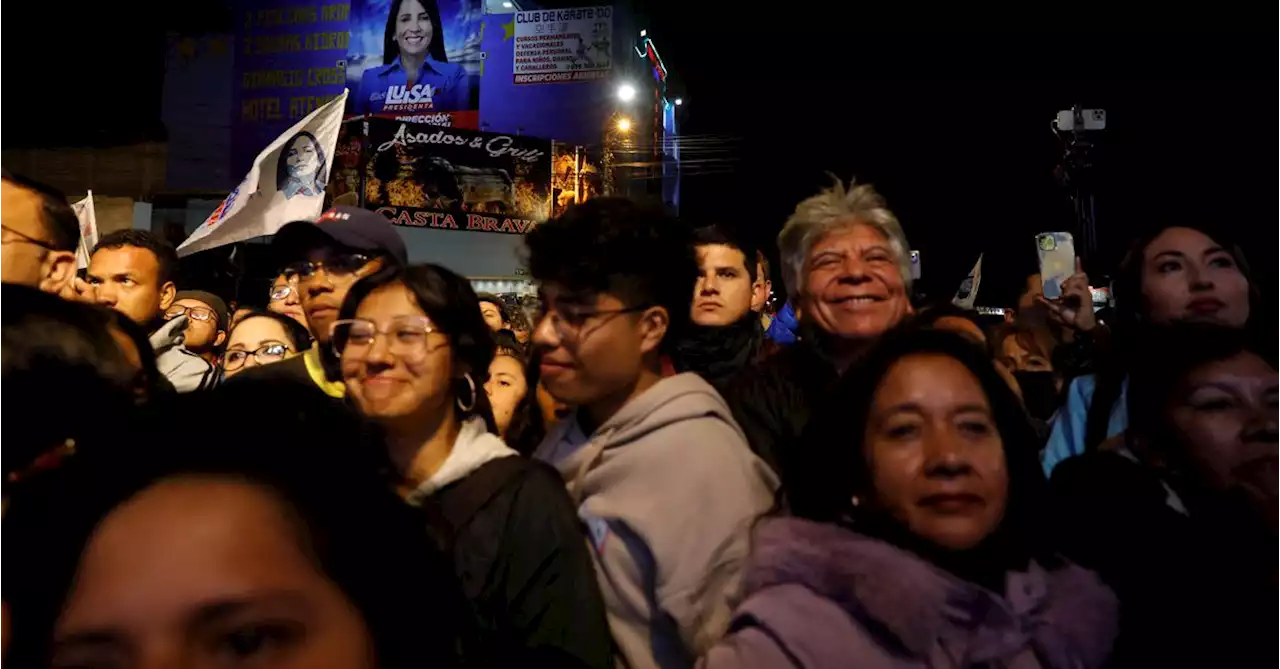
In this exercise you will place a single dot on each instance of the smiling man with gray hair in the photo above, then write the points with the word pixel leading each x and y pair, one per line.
pixel 846 264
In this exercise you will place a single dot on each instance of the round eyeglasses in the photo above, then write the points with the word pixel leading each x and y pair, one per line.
pixel 263 355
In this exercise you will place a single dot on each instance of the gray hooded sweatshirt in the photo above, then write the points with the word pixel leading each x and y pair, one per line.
pixel 668 490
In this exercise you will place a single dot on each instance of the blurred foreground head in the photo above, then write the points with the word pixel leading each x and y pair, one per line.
pixel 71 372
pixel 280 545
pixel 40 235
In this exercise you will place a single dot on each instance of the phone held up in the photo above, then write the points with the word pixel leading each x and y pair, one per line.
pixel 1057 253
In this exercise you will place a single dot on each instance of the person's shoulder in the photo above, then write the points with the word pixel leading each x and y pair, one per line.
pixel 449 69
pixel 376 72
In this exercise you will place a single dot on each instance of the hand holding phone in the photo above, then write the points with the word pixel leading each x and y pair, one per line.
pixel 1057 253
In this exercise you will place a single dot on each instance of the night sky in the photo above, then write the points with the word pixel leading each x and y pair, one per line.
pixel 947 117
pixel 951 121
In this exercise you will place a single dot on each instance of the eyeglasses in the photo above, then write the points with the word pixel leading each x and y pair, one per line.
pixel 342 264
pixel 26 239
pixel 283 292
pixel 202 314
pixel 263 355
pixel 353 338
pixel 569 319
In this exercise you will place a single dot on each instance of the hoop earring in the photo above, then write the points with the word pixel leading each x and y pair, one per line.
pixel 474 396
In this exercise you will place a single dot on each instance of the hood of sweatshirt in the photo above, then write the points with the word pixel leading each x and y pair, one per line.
pixel 673 399
pixel 474 447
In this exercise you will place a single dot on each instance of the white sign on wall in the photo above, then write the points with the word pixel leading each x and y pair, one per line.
pixel 563 45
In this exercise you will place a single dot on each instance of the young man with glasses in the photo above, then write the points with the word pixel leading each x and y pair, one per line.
pixel 206 322
pixel 323 259
pixel 39 236
pixel 661 474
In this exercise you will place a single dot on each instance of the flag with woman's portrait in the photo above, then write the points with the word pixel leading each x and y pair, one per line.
pixel 286 183
pixel 88 218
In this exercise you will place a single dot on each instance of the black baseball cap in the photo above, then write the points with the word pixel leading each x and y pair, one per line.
pixel 350 227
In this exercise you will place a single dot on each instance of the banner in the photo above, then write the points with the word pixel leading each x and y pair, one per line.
pixel 289 61
pixel 559 45
pixel 968 291
pixel 286 183
pixel 416 60
pixel 88 229
pixel 430 177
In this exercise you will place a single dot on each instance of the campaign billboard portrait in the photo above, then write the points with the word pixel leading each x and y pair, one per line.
pixel 416 60
pixel 425 176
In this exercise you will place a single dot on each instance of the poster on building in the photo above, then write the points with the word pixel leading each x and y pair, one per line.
pixel 575 176
pixel 416 61
pixel 563 45
pixel 426 176
pixel 289 61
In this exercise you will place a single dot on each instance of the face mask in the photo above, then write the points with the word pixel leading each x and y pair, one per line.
pixel 1038 393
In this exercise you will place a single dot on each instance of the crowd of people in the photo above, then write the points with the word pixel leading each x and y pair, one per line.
pixel 379 467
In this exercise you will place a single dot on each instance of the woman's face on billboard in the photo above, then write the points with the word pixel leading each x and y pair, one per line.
pixel 302 159
pixel 413 28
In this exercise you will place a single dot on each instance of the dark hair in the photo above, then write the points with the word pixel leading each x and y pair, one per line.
pixel 166 257
pixel 834 468
pixel 56 216
pixel 282 164
pixel 298 335
pixel 59 359
pixel 152 384
pixel 1171 353
pixel 929 316
pixel 365 540
pixel 391 50
pixel 527 429
pixel 715 234
pixel 495 301
pixel 451 304
pixel 635 252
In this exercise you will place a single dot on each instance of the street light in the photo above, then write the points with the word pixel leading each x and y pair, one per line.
pixel 624 124
pixel 626 92
pixel 679 101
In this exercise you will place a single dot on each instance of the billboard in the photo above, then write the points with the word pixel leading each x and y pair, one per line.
pixel 289 61
pixel 563 45
pixel 426 176
pixel 416 60
pixel 573 112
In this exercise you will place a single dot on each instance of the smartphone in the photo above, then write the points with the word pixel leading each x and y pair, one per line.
pixel 915 265
pixel 1057 252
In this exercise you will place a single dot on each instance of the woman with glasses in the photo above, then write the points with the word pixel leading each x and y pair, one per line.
pixel 284 299
pixel 261 338
pixel 415 355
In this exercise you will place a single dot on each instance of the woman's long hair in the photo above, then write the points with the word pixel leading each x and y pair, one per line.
pixel 527 429
pixel 831 466
pixel 391 50
pixel 451 304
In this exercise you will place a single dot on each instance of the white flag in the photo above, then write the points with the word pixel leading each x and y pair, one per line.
pixel 88 229
pixel 968 291
pixel 286 183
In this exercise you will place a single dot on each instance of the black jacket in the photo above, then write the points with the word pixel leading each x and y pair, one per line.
pixel 1196 589
pixel 521 557
pixel 773 401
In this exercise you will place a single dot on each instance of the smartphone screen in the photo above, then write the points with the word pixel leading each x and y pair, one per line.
pixel 1057 252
